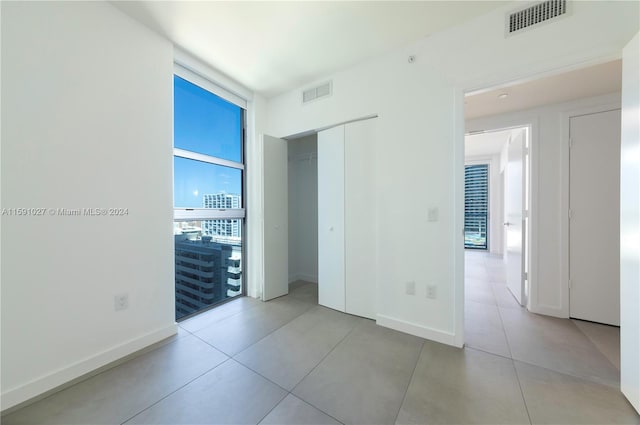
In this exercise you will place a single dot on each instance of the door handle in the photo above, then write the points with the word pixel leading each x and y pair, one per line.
pixel 506 223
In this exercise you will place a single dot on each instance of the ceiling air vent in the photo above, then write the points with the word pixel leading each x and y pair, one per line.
pixel 315 93
pixel 535 14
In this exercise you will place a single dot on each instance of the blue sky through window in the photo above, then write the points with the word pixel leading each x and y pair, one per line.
pixel 194 179
pixel 207 124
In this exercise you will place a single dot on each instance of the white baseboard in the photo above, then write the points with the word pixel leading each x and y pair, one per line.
pixel 308 277
pixel 303 276
pixel 418 330
pixel 37 387
pixel 548 311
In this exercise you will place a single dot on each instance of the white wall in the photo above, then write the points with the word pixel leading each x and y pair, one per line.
pixel 420 154
pixel 550 156
pixel 496 211
pixel 303 209
pixel 630 225
pixel 87 123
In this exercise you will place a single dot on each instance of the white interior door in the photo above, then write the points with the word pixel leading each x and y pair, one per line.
pixel 276 219
pixel 594 225
pixel 331 236
pixel 360 243
pixel 514 208
pixel 630 224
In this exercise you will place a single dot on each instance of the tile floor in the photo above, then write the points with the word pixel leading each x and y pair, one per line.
pixel 290 361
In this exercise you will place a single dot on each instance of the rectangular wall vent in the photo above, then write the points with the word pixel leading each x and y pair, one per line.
pixel 318 92
pixel 535 14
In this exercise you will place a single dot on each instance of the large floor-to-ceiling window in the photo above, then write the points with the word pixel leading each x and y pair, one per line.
pixel 209 208
pixel 476 206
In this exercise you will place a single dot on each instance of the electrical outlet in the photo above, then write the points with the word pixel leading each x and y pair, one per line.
pixel 121 302
pixel 432 292
pixel 410 288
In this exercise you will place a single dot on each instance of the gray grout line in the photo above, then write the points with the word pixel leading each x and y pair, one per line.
pixel 594 343
pixel 504 332
pixel 254 343
pixel 325 356
pixel 176 390
pixel 506 338
pixel 244 309
pixel 513 360
pixel 212 346
pixel 302 379
pixel 563 372
pixel 279 327
pixel 229 357
pixel 232 357
pixel 468 347
pixel 273 408
pixel 524 399
pixel 581 378
pixel 306 402
pixel 261 375
pixel 316 366
pixel 413 373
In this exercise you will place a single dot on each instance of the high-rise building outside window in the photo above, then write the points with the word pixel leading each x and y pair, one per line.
pixel 476 206
pixel 209 210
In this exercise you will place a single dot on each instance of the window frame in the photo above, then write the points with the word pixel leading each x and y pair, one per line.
pixel 181 214
pixel 196 214
pixel 487 167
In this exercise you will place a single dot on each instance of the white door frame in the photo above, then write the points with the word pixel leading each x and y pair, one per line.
pixel 534 303
pixel 531 192
pixel 461 129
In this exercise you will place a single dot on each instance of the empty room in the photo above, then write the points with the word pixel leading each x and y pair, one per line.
pixel 379 212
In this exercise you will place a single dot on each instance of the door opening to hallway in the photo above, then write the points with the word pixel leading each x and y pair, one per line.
pixel 574 230
pixel 497 201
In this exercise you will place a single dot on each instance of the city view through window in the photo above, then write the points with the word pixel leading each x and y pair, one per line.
pixel 476 206
pixel 209 210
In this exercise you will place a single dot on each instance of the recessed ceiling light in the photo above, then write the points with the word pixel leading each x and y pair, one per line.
pixel 503 96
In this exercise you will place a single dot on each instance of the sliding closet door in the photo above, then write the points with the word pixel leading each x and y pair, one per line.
pixel 331 246
pixel 360 243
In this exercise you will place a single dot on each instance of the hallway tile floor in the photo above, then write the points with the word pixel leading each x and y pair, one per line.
pixel 290 361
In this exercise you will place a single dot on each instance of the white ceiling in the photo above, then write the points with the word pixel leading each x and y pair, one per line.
pixel 586 82
pixel 486 144
pixel 272 47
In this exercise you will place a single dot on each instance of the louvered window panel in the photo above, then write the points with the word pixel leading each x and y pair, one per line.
pixel 476 206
